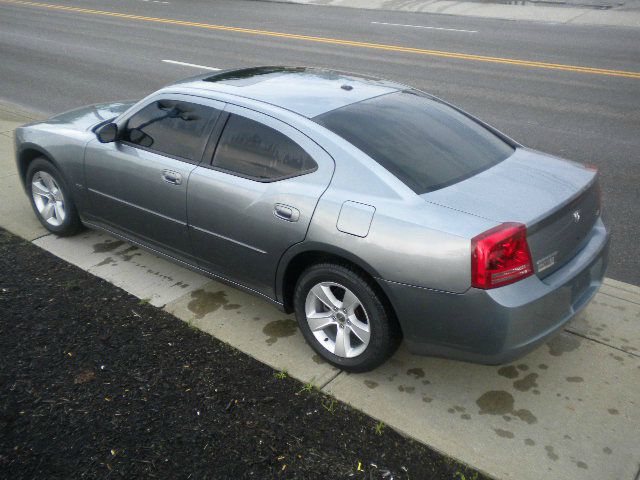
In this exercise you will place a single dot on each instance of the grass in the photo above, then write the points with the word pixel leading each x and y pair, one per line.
pixel 330 406
pixel 307 387
pixel 281 375
pixel 379 428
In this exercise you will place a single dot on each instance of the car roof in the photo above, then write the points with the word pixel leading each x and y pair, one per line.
pixel 306 91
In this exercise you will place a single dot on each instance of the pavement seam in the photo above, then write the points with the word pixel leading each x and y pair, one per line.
pixel 48 235
pixel 570 21
pixel 582 335
pixel 619 298
pixel 338 373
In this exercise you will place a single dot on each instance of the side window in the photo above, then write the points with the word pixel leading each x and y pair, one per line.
pixel 172 127
pixel 253 150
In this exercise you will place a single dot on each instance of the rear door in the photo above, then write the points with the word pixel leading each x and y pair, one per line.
pixel 256 197
pixel 139 183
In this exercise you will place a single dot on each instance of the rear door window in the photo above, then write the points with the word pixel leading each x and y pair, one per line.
pixel 171 127
pixel 253 150
pixel 425 143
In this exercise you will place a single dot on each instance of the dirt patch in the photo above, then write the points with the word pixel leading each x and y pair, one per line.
pixel 99 386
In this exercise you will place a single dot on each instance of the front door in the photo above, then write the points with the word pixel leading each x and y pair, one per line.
pixel 139 183
pixel 255 198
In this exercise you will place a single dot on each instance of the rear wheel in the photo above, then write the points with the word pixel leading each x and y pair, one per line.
pixel 51 199
pixel 343 319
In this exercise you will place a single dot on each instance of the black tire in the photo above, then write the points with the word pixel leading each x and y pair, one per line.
pixel 383 327
pixel 71 223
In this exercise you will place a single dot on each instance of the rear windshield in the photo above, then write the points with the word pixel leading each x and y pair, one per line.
pixel 424 143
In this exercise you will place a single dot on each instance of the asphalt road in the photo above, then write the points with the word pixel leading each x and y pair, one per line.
pixel 53 59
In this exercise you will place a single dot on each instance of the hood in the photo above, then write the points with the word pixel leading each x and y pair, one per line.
pixel 84 118
pixel 526 187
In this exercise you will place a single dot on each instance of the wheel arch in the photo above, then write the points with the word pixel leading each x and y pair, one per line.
pixel 301 256
pixel 28 153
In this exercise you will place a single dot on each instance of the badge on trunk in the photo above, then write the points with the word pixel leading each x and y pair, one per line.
pixel 546 262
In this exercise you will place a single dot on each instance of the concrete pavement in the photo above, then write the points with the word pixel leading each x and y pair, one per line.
pixel 569 410
pixel 549 11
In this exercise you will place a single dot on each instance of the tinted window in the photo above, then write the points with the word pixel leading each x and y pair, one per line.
pixel 254 150
pixel 171 127
pixel 424 143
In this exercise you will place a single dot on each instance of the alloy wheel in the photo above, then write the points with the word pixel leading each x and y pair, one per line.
pixel 337 319
pixel 48 198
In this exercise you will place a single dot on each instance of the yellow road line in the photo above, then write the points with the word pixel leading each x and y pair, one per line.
pixel 337 41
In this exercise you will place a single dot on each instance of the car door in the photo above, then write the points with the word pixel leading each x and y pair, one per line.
pixel 138 183
pixel 256 197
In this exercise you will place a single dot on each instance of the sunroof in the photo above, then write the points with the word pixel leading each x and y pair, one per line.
pixel 251 76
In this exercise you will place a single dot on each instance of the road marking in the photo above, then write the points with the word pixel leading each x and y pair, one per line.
pixel 203 67
pixel 422 26
pixel 337 41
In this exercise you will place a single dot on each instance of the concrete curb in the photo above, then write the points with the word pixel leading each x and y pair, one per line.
pixel 549 14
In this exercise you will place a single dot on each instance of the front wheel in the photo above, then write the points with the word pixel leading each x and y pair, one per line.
pixel 51 199
pixel 343 319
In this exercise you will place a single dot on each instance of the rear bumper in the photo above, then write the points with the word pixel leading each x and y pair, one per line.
pixel 496 326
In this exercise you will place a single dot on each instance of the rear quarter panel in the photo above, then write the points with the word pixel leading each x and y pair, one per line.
pixel 409 240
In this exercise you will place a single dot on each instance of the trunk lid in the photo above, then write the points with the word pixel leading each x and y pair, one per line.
pixel 558 201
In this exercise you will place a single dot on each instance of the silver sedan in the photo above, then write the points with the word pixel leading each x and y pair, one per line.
pixel 372 210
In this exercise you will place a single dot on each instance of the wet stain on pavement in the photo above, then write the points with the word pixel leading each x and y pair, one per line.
pixel 203 302
pixel 127 255
pixel 496 402
pixel 526 416
pixel 416 372
pixel 523 367
pixel 607 450
pixel 107 246
pixel 562 344
pixel 316 358
pixel 509 372
pixel 371 384
pixel 465 416
pixel 279 329
pixel 542 366
pixel 527 383
pixel 503 433
pixel 499 402
pixel 582 465
pixel 106 261
pixel 613 411
pixel 427 399
pixel 617 357
pixel 575 379
pixel 550 453
pixel 528 442
pixel 404 388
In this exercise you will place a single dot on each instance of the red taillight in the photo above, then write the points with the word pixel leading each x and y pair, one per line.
pixel 500 256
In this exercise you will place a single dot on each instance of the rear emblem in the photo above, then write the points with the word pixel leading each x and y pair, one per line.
pixel 576 216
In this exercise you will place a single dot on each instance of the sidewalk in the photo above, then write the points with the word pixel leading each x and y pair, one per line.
pixel 580 13
pixel 569 410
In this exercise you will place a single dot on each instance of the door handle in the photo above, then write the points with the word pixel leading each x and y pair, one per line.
pixel 169 176
pixel 286 212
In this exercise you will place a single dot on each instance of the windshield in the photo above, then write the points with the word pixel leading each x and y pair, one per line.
pixel 426 144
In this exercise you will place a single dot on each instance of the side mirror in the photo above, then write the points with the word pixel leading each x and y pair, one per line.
pixel 107 133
